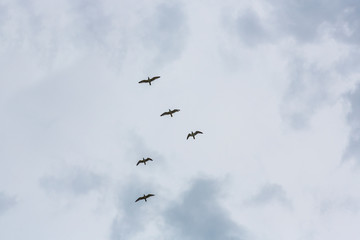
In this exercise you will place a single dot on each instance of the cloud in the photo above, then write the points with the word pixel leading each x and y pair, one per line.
pixel 165 31
pixel 111 29
pixel 349 204
pixel 132 218
pixel 269 193
pixel 6 202
pixel 318 75
pixel 250 28
pixel 77 181
pixel 199 215
pixel 307 91
pixel 92 22
pixel 303 19
pixel 353 151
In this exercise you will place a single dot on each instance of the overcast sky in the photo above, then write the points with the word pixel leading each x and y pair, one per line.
pixel 273 85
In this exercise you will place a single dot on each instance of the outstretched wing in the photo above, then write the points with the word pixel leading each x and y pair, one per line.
pixel 153 78
pixel 148 159
pixel 149 195
pixel 165 113
pixel 140 198
pixel 144 81
pixel 197 132
pixel 176 110
pixel 189 135
pixel 138 162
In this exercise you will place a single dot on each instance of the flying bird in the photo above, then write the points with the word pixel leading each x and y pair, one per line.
pixel 170 112
pixel 193 134
pixel 143 161
pixel 149 80
pixel 144 197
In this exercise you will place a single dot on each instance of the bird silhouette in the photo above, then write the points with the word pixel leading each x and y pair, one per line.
pixel 193 134
pixel 149 80
pixel 144 197
pixel 143 161
pixel 170 112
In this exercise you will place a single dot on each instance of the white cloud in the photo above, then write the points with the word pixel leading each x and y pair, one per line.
pixel 240 72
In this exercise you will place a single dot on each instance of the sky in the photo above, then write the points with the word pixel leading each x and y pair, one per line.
pixel 273 85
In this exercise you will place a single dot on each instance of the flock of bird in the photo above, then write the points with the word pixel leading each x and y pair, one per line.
pixel 171 113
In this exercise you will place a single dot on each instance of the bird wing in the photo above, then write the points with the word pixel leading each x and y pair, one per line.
pixel 153 78
pixel 189 135
pixel 140 161
pixel 197 132
pixel 140 198
pixel 148 159
pixel 144 81
pixel 149 195
pixel 175 110
pixel 165 113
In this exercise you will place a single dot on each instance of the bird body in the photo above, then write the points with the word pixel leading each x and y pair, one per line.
pixel 143 161
pixel 149 80
pixel 193 134
pixel 144 197
pixel 170 112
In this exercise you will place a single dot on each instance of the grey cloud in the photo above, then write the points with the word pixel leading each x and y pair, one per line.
pixel 77 181
pixel 139 149
pixel 302 19
pixel 307 91
pixel 349 204
pixel 353 149
pixel 6 202
pixel 348 28
pixel 166 31
pixel 93 24
pixel 309 87
pixel 199 215
pixel 269 193
pixel 3 15
pixel 54 31
pixel 95 27
pixel 132 217
pixel 250 29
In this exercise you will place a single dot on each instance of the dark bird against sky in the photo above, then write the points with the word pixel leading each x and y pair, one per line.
pixel 170 112
pixel 143 161
pixel 144 197
pixel 149 80
pixel 193 134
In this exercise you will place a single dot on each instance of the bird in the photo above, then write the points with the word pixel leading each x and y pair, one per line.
pixel 143 161
pixel 170 112
pixel 149 80
pixel 144 197
pixel 192 134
